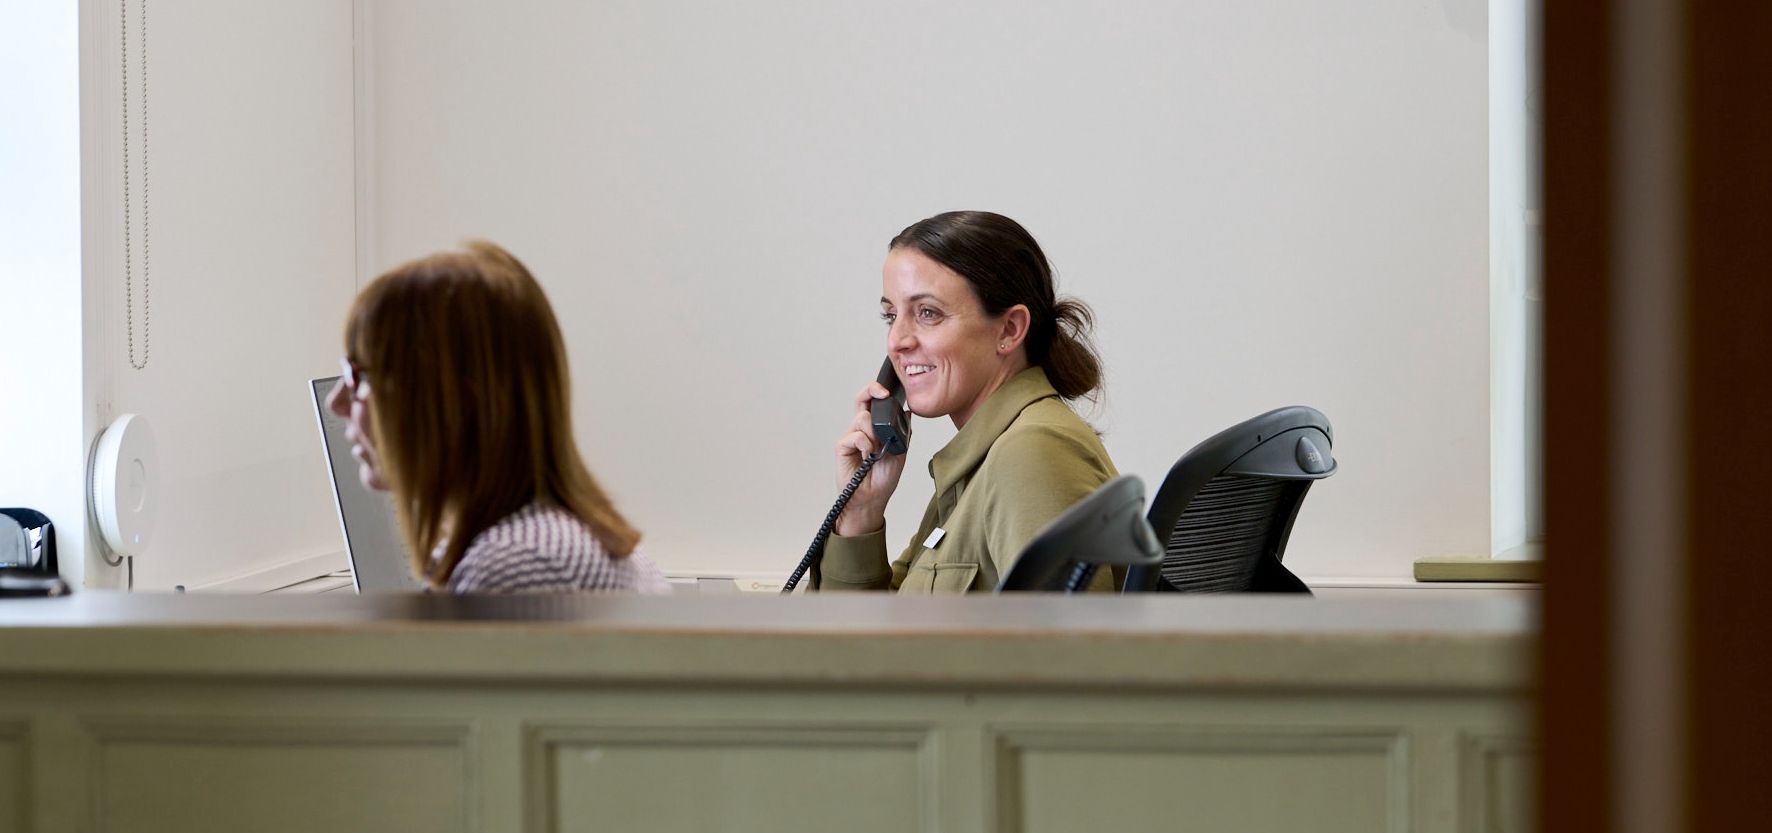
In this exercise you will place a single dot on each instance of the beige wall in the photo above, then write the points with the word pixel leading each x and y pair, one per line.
pixel 248 218
pixel 1267 204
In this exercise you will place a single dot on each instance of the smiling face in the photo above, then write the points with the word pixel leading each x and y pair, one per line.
pixel 950 353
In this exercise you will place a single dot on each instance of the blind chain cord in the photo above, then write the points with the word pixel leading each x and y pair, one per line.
pixel 128 237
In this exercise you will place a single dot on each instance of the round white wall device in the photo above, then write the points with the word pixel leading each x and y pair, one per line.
pixel 124 471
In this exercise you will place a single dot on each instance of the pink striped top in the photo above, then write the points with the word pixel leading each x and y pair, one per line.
pixel 542 548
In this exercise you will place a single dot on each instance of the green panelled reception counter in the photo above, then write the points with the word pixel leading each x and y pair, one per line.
pixel 1393 712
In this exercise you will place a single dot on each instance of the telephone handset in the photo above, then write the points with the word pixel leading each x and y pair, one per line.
pixel 892 427
pixel 892 435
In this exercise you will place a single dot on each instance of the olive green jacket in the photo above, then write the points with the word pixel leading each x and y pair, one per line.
pixel 1021 460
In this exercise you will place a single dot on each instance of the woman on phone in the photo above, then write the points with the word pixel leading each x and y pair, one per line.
pixel 977 335
pixel 456 392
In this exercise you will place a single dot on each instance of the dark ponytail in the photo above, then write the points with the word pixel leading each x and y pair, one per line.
pixel 1072 364
pixel 1005 267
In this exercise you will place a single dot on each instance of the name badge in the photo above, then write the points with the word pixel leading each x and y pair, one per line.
pixel 934 538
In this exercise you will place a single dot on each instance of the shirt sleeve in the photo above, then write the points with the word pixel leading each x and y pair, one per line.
pixel 1036 474
pixel 643 575
pixel 855 563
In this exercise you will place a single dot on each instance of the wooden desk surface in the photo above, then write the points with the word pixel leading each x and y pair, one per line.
pixel 873 639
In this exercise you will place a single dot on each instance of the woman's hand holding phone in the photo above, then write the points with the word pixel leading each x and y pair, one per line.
pixel 866 511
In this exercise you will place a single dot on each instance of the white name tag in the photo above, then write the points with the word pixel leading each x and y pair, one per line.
pixel 934 538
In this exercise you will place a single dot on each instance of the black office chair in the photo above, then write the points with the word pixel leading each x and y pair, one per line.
pixel 1105 528
pixel 1227 506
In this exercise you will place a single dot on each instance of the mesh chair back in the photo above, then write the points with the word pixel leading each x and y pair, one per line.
pixel 1226 509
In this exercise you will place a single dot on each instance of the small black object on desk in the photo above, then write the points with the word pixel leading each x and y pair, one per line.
pixel 16 583
pixel 27 555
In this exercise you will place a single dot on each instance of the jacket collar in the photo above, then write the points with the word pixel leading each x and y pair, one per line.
pixel 967 449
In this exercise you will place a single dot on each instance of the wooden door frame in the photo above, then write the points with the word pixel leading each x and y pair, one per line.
pixel 1658 338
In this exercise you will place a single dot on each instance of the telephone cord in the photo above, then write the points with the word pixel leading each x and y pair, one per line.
pixel 830 521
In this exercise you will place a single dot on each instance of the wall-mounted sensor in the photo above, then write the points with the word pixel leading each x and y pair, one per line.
pixel 124 472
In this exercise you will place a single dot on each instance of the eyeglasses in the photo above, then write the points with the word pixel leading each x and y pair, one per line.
pixel 356 381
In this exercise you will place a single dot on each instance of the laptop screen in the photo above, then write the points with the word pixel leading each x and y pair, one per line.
pixel 372 536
